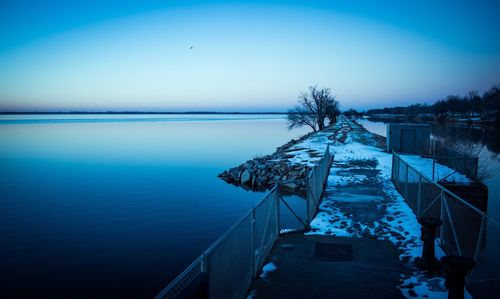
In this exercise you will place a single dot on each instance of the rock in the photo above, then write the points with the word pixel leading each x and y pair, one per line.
pixel 290 185
pixel 245 177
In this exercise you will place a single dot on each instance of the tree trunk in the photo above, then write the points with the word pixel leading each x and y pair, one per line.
pixel 321 123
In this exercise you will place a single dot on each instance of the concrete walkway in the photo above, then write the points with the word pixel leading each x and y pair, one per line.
pixel 329 267
pixel 363 218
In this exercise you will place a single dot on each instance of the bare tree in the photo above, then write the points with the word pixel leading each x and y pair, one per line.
pixel 485 169
pixel 352 114
pixel 313 108
pixel 332 110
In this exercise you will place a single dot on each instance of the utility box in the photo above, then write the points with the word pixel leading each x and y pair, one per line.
pixel 408 138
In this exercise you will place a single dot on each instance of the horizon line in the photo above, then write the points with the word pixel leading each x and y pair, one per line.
pixel 135 112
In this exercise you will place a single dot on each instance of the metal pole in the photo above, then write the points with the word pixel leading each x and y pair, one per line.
pixel 308 202
pixel 397 177
pixel 433 167
pixel 204 263
pixel 419 197
pixel 254 254
pixel 406 182
pixel 452 226
pixel 278 218
pixel 441 231
pixel 480 238
pixel 393 176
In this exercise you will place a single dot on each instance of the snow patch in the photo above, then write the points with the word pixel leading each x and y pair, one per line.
pixel 398 224
pixel 426 168
pixel 251 295
pixel 267 269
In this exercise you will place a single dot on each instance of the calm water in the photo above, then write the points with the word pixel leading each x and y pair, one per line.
pixel 100 205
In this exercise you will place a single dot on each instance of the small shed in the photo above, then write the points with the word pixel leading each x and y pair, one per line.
pixel 408 138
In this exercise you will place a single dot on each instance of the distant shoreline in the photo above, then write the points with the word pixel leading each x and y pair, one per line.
pixel 428 120
pixel 137 112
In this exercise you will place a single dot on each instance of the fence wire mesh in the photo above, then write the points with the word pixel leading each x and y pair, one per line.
pixel 430 199
pixel 485 277
pixel 462 163
pixel 316 182
pixel 266 227
pixel 178 285
pixel 412 188
pixel 465 230
pixel 236 257
pixel 465 226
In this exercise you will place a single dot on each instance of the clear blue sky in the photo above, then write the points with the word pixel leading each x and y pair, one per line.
pixel 246 55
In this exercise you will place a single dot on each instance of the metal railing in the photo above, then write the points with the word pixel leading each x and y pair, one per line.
pixel 465 227
pixel 231 263
pixel 316 183
pixel 460 162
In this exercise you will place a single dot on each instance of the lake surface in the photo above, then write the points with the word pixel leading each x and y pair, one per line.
pixel 118 205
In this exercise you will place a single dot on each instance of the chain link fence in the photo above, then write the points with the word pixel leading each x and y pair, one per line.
pixel 460 162
pixel 228 267
pixel 465 230
pixel 316 183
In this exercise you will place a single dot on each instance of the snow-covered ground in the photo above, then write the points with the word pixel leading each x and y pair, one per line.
pixel 361 177
pixel 310 151
pixel 426 168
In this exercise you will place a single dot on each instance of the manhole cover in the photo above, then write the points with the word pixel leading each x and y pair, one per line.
pixel 333 251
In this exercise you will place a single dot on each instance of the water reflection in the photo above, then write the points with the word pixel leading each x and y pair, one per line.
pixel 91 208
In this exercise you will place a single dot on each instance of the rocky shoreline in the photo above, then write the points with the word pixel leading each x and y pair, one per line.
pixel 262 173
pixel 290 164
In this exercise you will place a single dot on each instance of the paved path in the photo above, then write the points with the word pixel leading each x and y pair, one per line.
pixel 361 209
pixel 343 268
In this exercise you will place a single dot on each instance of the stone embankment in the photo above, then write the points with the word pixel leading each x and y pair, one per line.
pixel 284 167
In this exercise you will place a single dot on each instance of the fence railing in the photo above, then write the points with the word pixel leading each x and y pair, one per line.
pixel 460 162
pixel 464 229
pixel 227 268
pixel 316 183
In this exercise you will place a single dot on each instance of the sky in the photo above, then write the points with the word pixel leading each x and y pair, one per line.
pixel 100 55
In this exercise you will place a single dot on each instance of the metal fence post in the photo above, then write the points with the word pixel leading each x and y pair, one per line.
pixel 452 226
pixel 433 167
pixel 252 245
pixel 397 171
pixel 204 263
pixel 419 196
pixel 308 198
pixel 393 172
pixel 278 218
pixel 480 238
pixel 406 182
pixel 441 230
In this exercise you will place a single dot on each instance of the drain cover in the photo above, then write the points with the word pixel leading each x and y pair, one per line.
pixel 333 251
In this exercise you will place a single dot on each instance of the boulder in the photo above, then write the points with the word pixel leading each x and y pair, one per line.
pixel 245 176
